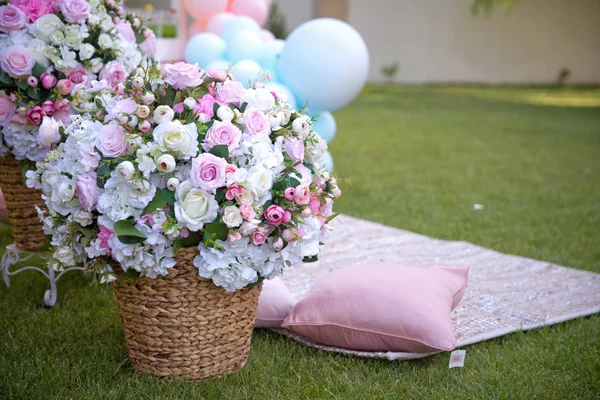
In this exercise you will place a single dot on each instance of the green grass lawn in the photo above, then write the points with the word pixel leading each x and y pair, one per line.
pixel 418 158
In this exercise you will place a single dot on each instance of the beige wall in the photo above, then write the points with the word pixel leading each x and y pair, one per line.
pixel 439 40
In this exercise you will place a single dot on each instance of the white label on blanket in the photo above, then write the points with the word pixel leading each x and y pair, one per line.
pixel 457 358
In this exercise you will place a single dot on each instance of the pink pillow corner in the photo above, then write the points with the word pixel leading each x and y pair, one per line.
pixel 274 304
pixel 382 307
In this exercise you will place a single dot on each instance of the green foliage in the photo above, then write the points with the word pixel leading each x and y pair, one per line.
pixel 162 198
pixel 128 233
pixel 485 7
pixel 220 151
pixel 276 22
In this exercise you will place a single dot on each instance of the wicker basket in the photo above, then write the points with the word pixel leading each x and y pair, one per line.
pixel 20 206
pixel 183 325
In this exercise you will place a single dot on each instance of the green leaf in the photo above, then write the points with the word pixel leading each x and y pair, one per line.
pixel 34 93
pixel 310 259
pixel 220 151
pixel 127 233
pixel 103 174
pixel 220 195
pixel 192 240
pixel 243 107
pixel 38 70
pixel 293 182
pixel 218 231
pixel 6 79
pixel 27 165
pixel 139 38
pixel 22 84
pixel 332 217
pixel 132 274
pixel 162 198
pixel 216 107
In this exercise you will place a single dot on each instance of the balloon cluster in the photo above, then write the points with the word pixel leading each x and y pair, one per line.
pixel 323 64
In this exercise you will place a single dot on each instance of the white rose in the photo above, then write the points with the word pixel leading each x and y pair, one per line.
pixel 36 47
pixel 165 163
pixel 64 254
pixel 232 217
pixel 301 126
pixel 225 113
pixel 143 111
pixel 285 115
pixel 163 114
pixel 125 170
pixel 105 41
pixel 86 51
pixel 57 37
pixel 48 132
pixel 96 64
pixel 46 25
pixel 194 207
pixel 137 82
pixel 190 103
pixel 259 98
pixel 274 119
pixel 93 20
pixel 178 138
pixel 65 191
pixel 83 217
pixel 172 183
pixel 148 98
pixel 133 121
pixel 260 179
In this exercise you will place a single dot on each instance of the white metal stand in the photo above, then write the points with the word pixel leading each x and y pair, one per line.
pixel 15 256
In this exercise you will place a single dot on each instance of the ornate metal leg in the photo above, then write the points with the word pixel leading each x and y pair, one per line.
pixel 14 256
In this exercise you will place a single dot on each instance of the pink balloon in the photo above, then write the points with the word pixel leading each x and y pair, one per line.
pixel 218 21
pixel 203 10
pixel 255 9
pixel 195 28
pixel 267 36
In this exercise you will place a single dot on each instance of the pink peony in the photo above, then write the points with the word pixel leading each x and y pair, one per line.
pixel 87 190
pixel 182 75
pixel 17 61
pixel 295 149
pixel 111 140
pixel 274 214
pixel 233 191
pixel 35 115
pixel 75 11
pixel 7 110
pixel 34 9
pixel 256 122
pixel 12 18
pixel 78 75
pixel 148 46
pixel 208 172
pixel 222 133
pixel 124 28
pixel 205 105
pixel 113 72
pixel 230 92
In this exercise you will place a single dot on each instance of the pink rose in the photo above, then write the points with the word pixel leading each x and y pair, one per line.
pixel 78 75
pixel 124 28
pixel 7 110
pixel 125 106
pixel 256 122
pixel 113 72
pixel 233 191
pixel 75 11
pixel 111 140
pixel 89 156
pixel 35 115
pixel 287 217
pixel 178 108
pixel 290 193
pixel 230 92
pixel 218 75
pixel 182 75
pixel 247 212
pixel 48 80
pixel 302 195
pixel 87 190
pixel 48 107
pixel 148 46
pixel 205 105
pixel 314 204
pixel 32 81
pixel 62 105
pixel 17 61
pixel 104 235
pixel 305 174
pixel 12 18
pixel 295 149
pixel 222 133
pixel 278 244
pixel 234 236
pixel 230 169
pixel 274 214
pixel 290 235
pixel 34 9
pixel 208 172
pixel 258 238
pixel 64 87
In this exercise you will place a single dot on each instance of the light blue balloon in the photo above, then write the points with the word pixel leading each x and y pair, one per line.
pixel 283 92
pixel 328 162
pixel 244 45
pixel 238 24
pixel 324 62
pixel 204 48
pixel 246 72
pixel 325 126
pixel 219 64
pixel 270 53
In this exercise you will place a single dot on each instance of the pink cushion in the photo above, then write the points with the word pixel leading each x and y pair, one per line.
pixel 382 308
pixel 274 304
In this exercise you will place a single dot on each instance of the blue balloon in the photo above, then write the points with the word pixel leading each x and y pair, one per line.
pixel 328 162
pixel 244 45
pixel 219 64
pixel 246 72
pixel 325 126
pixel 238 24
pixel 283 93
pixel 324 62
pixel 204 48
pixel 270 53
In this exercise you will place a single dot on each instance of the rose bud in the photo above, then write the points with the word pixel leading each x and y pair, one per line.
pixel 32 81
pixel 218 75
pixel 278 244
pixel 165 163
pixel 64 86
pixel 148 98
pixel 287 217
pixel 290 193
pixel 143 111
pixel 336 192
pixel 225 113
pixel 125 170
pixel 133 121
pixel 190 103
pixel 48 107
pixel 35 115
pixel 136 23
pixel 234 236
pixel 172 184
pixel 62 105
pixel 119 88
pixel 48 80
pixel 290 235
pixel 258 238
pixel 144 126
pixel 137 82
pixel 307 212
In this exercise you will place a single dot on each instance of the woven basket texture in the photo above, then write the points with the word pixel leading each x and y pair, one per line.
pixel 20 205
pixel 182 325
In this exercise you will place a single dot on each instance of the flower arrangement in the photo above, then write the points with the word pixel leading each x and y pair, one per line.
pixel 48 47
pixel 177 157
